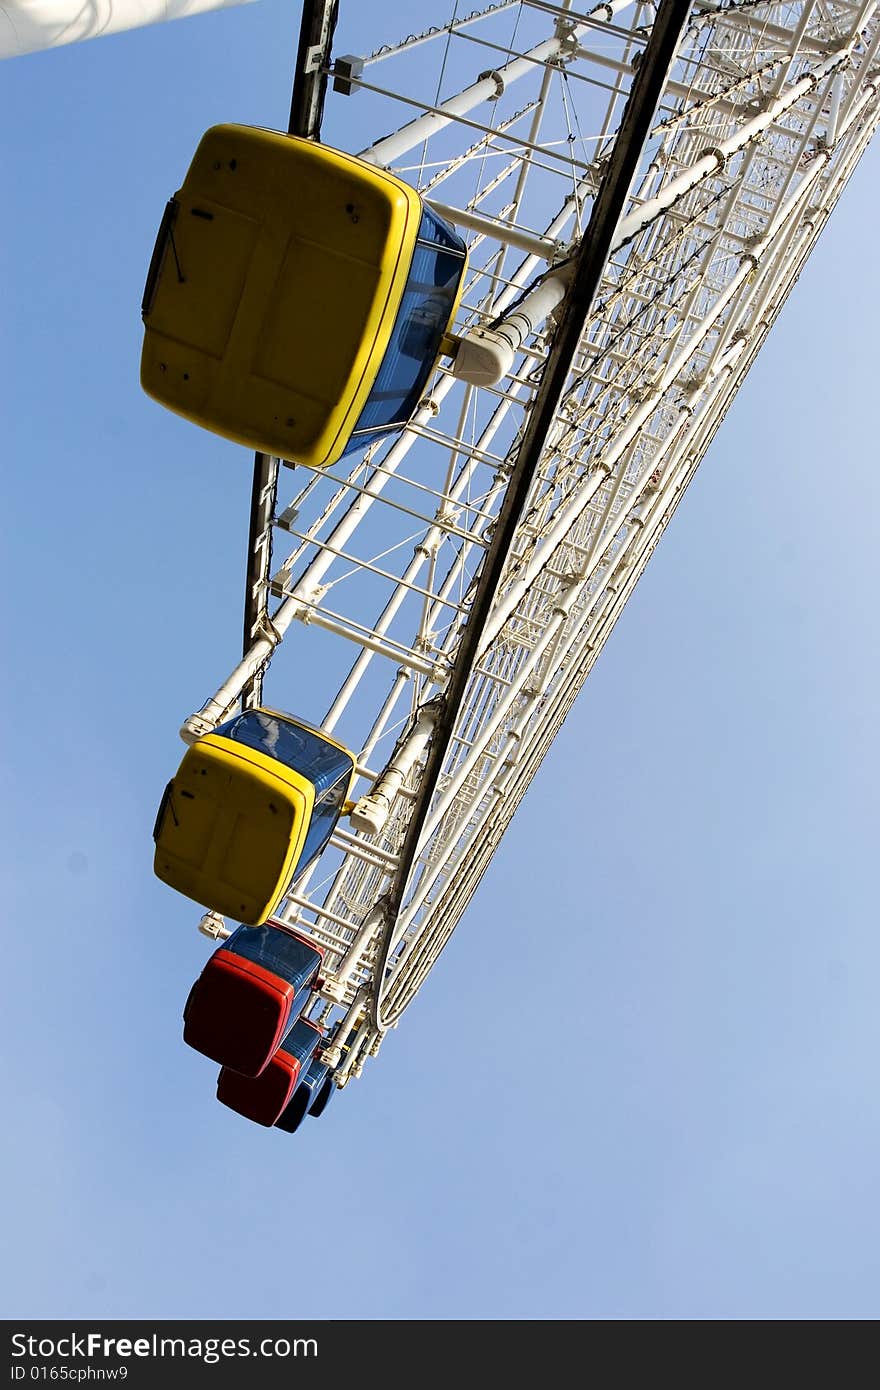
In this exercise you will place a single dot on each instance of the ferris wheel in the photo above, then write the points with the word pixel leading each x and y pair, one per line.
pixel 478 360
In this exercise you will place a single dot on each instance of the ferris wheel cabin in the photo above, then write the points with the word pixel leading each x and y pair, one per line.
pixel 265 1098
pixel 297 297
pixel 248 810
pixel 249 995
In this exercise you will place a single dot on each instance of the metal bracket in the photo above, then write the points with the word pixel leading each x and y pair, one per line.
pixel 312 58
pixel 346 71
pixel 497 79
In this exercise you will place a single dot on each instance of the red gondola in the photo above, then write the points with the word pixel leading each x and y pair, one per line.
pixel 249 995
pixel 264 1098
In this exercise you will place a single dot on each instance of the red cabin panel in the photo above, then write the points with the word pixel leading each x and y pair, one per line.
pixel 237 1013
pixel 264 1098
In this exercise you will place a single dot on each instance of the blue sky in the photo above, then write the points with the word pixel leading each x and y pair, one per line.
pixel 695 1131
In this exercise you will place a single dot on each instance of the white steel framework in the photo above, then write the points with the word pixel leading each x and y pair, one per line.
pixel 364 580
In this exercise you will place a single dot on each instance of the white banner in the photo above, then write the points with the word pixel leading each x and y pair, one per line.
pixel 28 25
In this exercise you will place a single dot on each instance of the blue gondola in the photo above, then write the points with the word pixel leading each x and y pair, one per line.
pixel 311 1089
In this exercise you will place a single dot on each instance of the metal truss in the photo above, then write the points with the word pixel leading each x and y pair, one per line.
pixel 439 601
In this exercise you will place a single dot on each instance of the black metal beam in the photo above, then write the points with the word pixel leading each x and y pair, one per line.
pixel 312 60
pixel 316 30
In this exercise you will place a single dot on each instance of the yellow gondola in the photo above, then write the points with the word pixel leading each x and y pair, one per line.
pixel 297 297
pixel 249 808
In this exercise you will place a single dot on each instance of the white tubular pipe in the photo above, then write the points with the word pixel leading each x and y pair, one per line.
pixel 715 159
pixel 485 354
pixel 834 114
pixel 727 360
pixel 486 88
pixel 536 245
pixel 371 812
pixel 783 201
pixel 394 651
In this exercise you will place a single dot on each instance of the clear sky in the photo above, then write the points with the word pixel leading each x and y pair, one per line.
pixel 697 1132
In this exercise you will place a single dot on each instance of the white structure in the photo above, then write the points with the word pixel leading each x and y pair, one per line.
pixel 365 576
pixel 28 25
